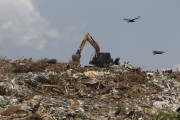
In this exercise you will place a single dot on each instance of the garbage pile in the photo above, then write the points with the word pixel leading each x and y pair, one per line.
pixel 49 90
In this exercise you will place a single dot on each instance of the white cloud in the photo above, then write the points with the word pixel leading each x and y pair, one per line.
pixel 53 33
pixel 22 25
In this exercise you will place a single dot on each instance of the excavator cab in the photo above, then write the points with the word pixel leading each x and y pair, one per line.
pixel 101 60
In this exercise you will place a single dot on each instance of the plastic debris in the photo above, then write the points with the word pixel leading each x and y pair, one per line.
pixel 47 90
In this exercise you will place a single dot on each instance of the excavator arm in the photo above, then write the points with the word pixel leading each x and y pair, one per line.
pixel 76 57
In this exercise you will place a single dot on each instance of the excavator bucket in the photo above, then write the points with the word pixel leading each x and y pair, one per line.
pixel 76 58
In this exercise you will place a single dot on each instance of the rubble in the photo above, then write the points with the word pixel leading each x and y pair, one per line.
pixel 47 89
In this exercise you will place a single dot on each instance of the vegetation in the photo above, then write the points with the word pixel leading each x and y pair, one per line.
pixel 168 116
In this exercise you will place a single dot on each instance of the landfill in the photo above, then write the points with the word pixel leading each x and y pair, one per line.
pixel 47 89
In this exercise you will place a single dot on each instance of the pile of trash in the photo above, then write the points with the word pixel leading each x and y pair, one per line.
pixel 47 89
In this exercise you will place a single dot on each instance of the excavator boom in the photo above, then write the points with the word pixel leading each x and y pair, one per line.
pixel 88 38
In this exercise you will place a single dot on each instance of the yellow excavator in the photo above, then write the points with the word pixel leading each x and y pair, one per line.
pixel 101 59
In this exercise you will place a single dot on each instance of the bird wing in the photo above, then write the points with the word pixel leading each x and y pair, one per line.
pixel 162 51
pixel 136 18
pixel 126 19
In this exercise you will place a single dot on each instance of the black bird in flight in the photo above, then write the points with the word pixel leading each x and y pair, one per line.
pixel 131 20
pixel 158 52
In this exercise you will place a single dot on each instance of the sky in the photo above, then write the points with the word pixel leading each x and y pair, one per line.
pixel 55 29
